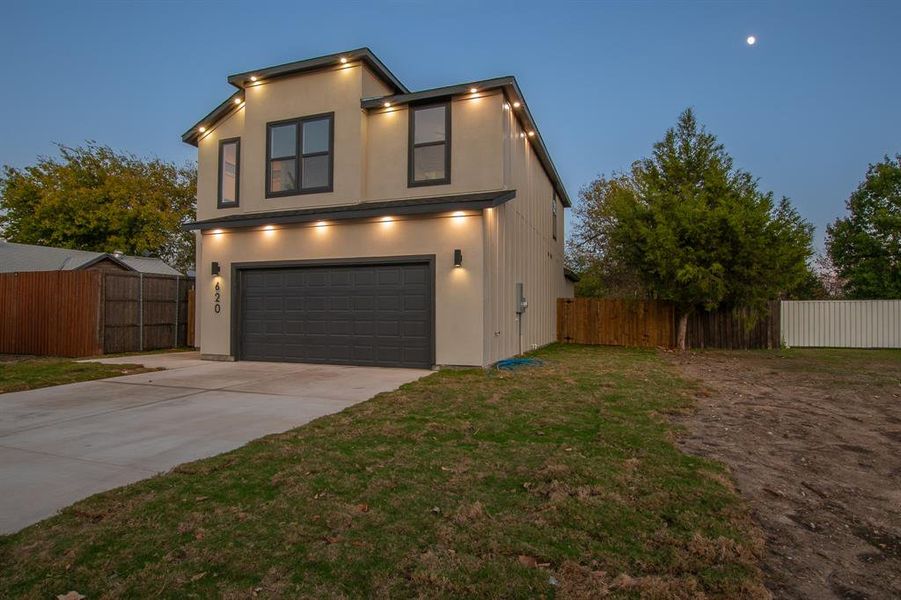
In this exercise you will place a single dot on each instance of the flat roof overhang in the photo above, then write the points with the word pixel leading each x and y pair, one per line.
pixel 362 211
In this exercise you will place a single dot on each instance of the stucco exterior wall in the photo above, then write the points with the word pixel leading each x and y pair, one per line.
pixel 370 157
pixel 476 150
pixel 335 90
pixel 520 248
pixel 458 291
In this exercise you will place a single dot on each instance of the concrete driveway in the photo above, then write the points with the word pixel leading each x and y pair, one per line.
pixel 64 443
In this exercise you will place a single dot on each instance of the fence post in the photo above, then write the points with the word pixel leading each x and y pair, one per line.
pixel 177 301
pixel 140 312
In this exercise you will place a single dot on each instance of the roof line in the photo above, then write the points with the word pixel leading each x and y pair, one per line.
pixel 112 257
pixel 242 80
pixel 366 210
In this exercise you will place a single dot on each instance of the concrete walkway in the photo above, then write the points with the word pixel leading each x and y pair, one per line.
pixel 61 444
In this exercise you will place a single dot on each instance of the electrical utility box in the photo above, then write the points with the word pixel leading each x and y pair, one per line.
pixel 521 304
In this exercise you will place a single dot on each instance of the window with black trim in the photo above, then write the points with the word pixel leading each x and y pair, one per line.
pixel 428 161
pixel 229 172
pixel 554 213
pixel 300 155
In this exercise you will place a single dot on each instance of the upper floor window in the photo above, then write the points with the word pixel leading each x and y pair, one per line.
pixel 229 172
pixel 428 162
pixel 300 155
pixel 554 215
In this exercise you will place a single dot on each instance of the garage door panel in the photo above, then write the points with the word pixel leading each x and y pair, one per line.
pixel 360 314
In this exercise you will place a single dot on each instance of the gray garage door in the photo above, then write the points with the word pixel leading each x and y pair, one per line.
pixel 378 315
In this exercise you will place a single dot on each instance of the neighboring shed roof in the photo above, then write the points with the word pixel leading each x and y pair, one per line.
pixel 28 257
pixel 148 264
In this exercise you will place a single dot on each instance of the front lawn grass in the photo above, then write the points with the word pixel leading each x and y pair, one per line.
pixel 557 480
pixel 34 373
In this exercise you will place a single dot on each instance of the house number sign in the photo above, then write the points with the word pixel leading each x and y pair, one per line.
pixel 217 307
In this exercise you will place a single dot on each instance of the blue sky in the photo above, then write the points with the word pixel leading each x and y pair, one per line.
pixel 805 110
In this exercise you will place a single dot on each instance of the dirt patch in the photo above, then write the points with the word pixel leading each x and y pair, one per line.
pixel 813 440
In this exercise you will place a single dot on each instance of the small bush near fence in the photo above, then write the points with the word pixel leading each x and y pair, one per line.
pixel 87 313
pixel 651 323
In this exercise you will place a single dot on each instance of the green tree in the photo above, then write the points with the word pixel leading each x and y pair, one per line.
pixel 865 246
pixel 602 271
pixel 94 198
pixel 694 229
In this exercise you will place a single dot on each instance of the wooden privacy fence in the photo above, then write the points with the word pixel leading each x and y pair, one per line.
pixel 86 313
pixel 608 322
pixel 650 323
pixel 50 313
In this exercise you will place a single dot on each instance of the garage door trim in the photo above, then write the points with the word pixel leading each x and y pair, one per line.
pixel 237 270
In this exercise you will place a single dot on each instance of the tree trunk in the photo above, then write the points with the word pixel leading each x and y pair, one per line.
pixel 682 329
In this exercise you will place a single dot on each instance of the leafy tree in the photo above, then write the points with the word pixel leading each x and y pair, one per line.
pixel 865 246
pixel 94 198
pixel 601 271
pixel 694 229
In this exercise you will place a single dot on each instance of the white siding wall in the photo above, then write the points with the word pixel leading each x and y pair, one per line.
pixel 520 247
pixel 842 323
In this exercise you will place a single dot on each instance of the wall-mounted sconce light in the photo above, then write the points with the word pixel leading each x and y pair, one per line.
pixel 214 269
pixel 458 258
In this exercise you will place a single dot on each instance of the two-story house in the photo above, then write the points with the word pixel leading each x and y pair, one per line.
pixel 342 218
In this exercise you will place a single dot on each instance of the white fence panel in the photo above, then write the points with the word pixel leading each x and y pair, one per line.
pixel 842 323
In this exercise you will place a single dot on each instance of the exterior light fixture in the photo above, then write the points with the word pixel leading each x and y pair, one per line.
pixel 321 223
pixel 506 106
pixel 522 135
pixel 253 77
pixel 531 134
pixel 458 258
pixel 387 105
pixel 473 90
pixel 214 269
pixel 343 60
pixel 201 129
pixel 237 101
pixel 516 105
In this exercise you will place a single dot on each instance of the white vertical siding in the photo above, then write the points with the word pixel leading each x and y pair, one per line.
pixel 842 323
pixel 520 248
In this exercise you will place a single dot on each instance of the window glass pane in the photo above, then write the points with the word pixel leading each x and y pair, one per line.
pixel 316 136
pixel 282 141
pixel 315 171
pixel 282 175
pixel 229 172
pixel 428 162
pixel 428 125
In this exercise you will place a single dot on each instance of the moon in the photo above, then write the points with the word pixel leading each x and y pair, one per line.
pixel 751 40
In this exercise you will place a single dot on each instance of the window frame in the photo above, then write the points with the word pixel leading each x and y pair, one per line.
pixel 411 144
pixel 298 156
pixel 554 211
pixel 220 203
